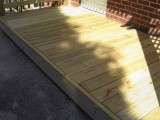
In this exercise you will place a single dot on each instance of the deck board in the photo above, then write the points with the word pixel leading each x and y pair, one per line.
pixel 153 115
pixel 114 69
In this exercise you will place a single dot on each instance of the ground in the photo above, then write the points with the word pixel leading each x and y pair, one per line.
pixel 26 93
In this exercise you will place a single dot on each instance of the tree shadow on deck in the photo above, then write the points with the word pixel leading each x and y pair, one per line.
pixel 90 52
pixel 79 48
pixel 95 53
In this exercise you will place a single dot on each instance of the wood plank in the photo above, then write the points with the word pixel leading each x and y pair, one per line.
pixel 67 30
pixel 152 57
pixel 102 94
pixel 113 69
pixel 84 36
pixel 116 47
pixel 101 80
pixel 19 22
pixel 139 110
pixel 90 43
pixel 85 33
pixel 78 28
pixel 85 61
pixel 154 67
pixel 143 107
pixel 133 97
pixel 58 20
pixel 74 37
pixel 154 115
pixel 52 35
pixel 156 81
pixel 71 43
pixel 122 85
pixel 108 37
pixel 94 108
pixel 97 62
pixel 97 47
pixel 30 20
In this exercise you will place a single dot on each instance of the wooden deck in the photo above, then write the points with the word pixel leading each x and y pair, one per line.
pixel 111 71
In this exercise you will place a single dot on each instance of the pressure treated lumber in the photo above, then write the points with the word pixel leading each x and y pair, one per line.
pixel 154 115
pixel 112 72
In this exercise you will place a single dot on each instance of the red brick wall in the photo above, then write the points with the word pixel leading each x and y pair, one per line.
pixel 143 14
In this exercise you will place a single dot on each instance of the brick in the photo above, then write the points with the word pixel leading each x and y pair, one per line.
pixel 154 15
pixel 131 9
pixel 136 5
pixel 146 18
pixel 114 17
pixel 142 12
pixel 143 2
pixel 120 6
pixel 117 1
pixel 149 9
pixel 135 14
pixel 155 5
pixel 140 21
pixel 139 13
pixel 124 11
pixel 124 2
pixel 123 20
pixel 152 0
pixel 133 1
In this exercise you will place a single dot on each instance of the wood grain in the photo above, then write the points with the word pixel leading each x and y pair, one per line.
pixel 110 68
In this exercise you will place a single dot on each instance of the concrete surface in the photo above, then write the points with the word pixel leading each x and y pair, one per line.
pixel 26 93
